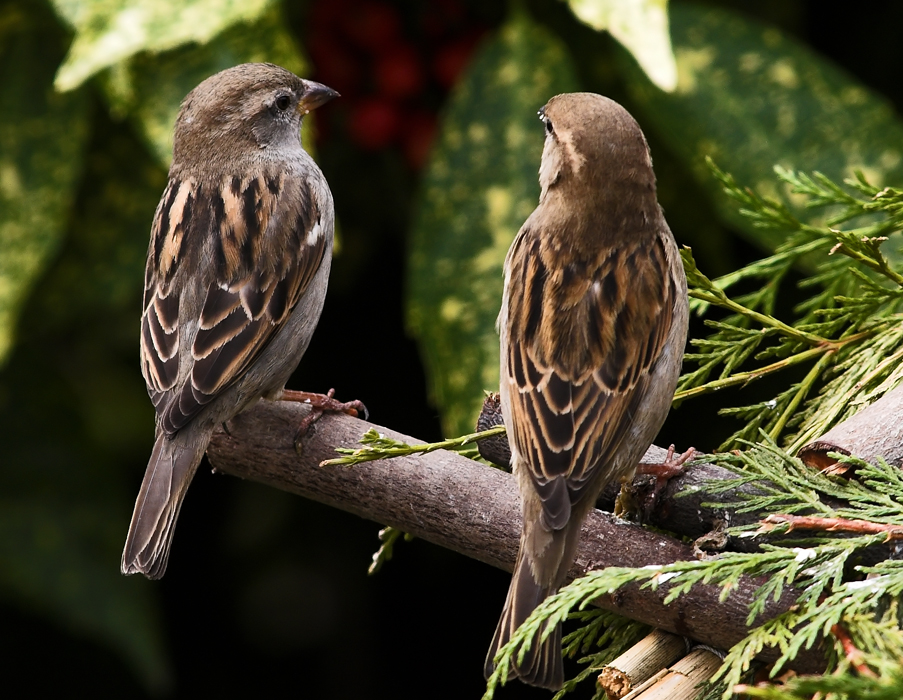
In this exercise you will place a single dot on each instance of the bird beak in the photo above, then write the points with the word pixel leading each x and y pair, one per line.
pixel 315 95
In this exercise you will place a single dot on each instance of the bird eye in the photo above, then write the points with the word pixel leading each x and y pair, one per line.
pixel 283 102
pixel 545 120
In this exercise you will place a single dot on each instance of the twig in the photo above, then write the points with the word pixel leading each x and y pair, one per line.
pixel 808 522
pixel 805 387
pixel 876 431
pixel 655 651
pixel 388 536
pixel 681 680
pixel 744 378
pixel 719 298
pixel 853 655
pixel 378 446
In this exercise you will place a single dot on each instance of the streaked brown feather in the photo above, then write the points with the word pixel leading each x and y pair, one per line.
pixel 162 362
pixel 220 334
pixel 174 220
pixel 580 348
pixel 218 304
pixel 260 274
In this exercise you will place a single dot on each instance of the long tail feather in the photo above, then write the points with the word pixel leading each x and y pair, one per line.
pixel 171 467
pixel 542 665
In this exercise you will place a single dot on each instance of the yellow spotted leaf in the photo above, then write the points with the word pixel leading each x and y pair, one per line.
pixel 641 26
pixel 752 98
pixel 149 87
pixel 110 31
pixel 479 186
pixel 42 139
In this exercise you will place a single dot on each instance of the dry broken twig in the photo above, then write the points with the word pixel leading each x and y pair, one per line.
pixel 655 651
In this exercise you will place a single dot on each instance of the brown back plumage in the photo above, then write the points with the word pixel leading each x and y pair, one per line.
pixel 248 281
pixel 577 351
pixel 569 401
pixel 592 325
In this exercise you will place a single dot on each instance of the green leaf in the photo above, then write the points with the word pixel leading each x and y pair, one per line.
pixel 480 185
pixel 67 482
pixel 110 31
pixel 42 139
pixel 751 98
pixel 150 87
pixel 642 28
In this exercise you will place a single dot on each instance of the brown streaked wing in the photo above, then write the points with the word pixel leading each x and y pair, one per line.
pixel 582 340
pixel 159 343
pixel 261 275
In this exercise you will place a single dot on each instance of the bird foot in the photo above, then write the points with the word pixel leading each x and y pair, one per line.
pixel 627 503
pixel 320 404
pixel 671 466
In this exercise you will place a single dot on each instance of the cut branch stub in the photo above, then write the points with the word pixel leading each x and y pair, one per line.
pixel 876 431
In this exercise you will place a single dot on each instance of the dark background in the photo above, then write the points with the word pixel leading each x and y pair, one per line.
pixel 267 594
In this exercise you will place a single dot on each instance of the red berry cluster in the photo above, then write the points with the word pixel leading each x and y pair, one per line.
pixel 392 65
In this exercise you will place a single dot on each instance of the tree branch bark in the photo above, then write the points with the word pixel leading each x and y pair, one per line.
pixel 876 431
pixel 472 509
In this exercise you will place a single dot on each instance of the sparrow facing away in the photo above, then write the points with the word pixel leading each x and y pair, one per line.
pixel 593 326
pixel 236 275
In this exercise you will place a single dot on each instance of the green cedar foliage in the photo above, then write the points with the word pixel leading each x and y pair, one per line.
pixel 846 333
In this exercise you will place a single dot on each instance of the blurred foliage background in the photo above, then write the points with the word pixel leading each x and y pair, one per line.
pixel 432 155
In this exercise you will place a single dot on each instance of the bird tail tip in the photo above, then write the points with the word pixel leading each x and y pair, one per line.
pixel 169 471
pixel 542 665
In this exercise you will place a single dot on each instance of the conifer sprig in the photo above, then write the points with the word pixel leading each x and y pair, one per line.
pixel 376 446
pixel 849 331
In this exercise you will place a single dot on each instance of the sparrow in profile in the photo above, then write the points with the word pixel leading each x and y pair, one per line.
pixel 593 326
pixel 237 267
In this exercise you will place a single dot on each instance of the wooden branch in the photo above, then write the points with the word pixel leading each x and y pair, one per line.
pixel 876 431
pixel 473 509
pixel 681 505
